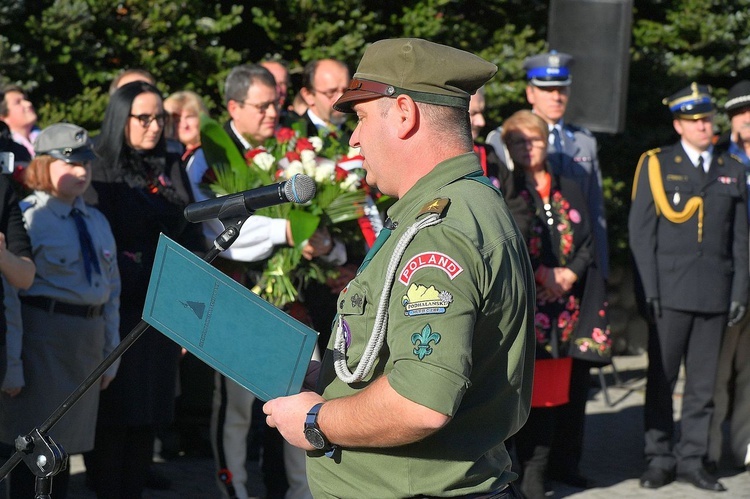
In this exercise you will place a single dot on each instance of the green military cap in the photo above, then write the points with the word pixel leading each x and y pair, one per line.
pixel 691 103
pixel 64 141
pixel 426 71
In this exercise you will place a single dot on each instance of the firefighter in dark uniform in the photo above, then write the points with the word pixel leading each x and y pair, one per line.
pixel 689 238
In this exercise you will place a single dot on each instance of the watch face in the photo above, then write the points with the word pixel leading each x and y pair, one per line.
pixel 315 437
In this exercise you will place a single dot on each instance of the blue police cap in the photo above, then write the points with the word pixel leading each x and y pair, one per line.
pixel 549 70
pixel 691 103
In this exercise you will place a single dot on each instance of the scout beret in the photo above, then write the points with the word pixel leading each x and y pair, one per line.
pixel 739 97
pixel 64 141
pixel 549 70
pixel 691 103
pixel 426 71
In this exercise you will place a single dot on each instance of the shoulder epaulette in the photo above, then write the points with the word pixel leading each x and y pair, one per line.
pixel 437 205
pixel 578 128
pixel 735 157
pixel 653 152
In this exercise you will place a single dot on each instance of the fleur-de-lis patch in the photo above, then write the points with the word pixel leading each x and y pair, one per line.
pixel 421 341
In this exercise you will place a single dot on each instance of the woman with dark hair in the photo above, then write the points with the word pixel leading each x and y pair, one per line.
pixel 142 190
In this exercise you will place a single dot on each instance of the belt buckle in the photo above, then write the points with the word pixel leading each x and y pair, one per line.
pixel 51 306
pixel 91 312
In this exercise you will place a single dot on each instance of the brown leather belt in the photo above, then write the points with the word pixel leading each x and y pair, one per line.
pixel 60 307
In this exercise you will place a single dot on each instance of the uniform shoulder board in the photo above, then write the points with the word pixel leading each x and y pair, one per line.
pixel 437 205
pixel 735 157
pixel 577 128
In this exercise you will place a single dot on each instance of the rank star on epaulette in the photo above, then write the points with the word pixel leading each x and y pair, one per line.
pixel 437 205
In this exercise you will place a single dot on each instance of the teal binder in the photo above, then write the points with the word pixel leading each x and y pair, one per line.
pixel 225 325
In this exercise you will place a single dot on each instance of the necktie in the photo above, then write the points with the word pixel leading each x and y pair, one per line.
pixel 87 246
pixel 385 233
pixel 556 140
pixel 700 166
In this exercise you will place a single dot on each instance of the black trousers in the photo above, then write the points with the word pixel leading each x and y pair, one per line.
pixel 696 338
pixel 120 459
pixel 567 441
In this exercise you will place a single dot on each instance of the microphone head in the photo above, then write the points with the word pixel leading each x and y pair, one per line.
pixel 299 189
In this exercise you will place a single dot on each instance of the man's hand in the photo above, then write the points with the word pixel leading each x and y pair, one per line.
pixel 320 243
pixel 288 415
pixel 653 307
pixel 736 313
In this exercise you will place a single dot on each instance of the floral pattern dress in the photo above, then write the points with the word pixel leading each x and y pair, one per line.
pixel 558 235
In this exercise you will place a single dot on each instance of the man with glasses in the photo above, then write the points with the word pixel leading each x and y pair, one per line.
pixel 323 82
pixel 252 103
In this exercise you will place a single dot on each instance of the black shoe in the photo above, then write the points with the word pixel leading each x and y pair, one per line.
pixel 156 481
pixel 654 478
pixel 701 479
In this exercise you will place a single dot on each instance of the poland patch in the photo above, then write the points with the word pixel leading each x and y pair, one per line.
pixel 429 259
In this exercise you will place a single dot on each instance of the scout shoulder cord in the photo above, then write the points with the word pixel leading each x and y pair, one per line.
pixel 375 343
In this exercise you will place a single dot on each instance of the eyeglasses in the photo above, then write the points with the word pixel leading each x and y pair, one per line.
pixel 146 119
pixel 263 107
pixel 331 93
pixel 533 142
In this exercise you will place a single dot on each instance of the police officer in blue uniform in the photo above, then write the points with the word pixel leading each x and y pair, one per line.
pixel 572 150
pixel 689 238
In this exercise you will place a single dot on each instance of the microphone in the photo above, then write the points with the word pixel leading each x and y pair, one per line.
pixel 298 189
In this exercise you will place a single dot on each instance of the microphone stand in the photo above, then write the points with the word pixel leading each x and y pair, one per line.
pixel 37 450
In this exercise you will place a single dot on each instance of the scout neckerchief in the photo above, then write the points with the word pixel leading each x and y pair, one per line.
pixel 434 211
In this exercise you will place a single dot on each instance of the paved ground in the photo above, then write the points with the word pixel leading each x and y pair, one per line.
pixel 612 456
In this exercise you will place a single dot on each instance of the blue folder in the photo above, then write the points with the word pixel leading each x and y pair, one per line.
pixel 225 325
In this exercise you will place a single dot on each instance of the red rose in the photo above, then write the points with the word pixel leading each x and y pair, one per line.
pixel 249 155
pixel 284 135
pixel 292 156
pixel 303 144
pixel 341 174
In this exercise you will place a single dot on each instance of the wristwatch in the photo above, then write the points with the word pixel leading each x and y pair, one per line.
pixel 312 431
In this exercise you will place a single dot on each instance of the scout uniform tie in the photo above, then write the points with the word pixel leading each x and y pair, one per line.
pixel 87 246
pixel 385 233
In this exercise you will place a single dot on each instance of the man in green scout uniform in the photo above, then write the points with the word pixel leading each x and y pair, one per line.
pixel 429 367
pixel 689 238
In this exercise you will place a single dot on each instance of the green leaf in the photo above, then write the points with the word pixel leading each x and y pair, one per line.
pixel 218 146
pixel 303 225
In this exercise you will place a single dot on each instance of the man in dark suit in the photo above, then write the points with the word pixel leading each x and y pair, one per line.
pixel 689 238
pixel 732 391
pixel 323 82
pixel 252 102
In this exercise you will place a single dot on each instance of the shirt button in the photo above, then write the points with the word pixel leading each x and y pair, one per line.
pixel 550 221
